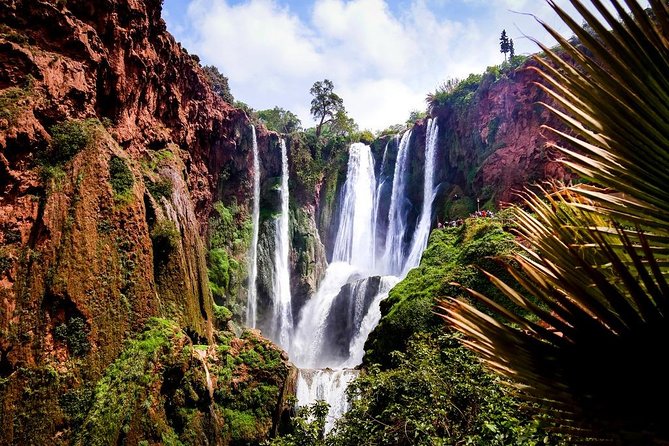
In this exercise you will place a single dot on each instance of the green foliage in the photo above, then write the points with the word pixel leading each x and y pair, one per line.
pixel 6 261
pixel 74 334
pixel 392 130
pixel 69 138
pixel 222 315
pixel 326 106
pixel 308 428
pixel 162 187
pixel 76 403
pixel 504 44
pixel 120 177
pixel 437 393
pixel 117 396
pixel 416 115
pixel 230 232
pixel 219 271
pixel 219 83
pixel 460 208
pixel 12 35
pixel 11 102
pixel 452 256
pixel 242 426
pixel 365 137
pixel 455 93
pixel 280 120
pixel 165 237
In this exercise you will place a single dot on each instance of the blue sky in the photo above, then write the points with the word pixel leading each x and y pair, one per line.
pixel 383 56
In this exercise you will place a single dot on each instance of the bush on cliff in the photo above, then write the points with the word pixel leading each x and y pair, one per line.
pixel 452 255
pixel 436 392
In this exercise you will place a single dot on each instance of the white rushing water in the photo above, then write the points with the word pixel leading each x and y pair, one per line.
pixel 307 348
pixel 424 225
pixel 252 297
pixel 327 385
pixel 355 238
pixel 397 216
pixel 282 318
pixel 369 322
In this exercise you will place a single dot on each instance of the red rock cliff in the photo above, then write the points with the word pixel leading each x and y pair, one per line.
pixel 96 242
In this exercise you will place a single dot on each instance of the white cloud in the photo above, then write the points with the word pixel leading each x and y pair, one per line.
pixel 383 61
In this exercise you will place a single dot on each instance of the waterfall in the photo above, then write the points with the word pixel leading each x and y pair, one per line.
pixel 327 385
pixel 377 201
pixel 422 232
pixel 394 247
pixel 330 333
pixel 370 321
pixel 307 349
pixel 282 317
pixel 252 298
pixel 354 243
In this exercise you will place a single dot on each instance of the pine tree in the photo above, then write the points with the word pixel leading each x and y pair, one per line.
pixel 504 44
pixel 512 51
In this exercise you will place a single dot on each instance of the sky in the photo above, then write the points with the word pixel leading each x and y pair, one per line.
pixel 384 57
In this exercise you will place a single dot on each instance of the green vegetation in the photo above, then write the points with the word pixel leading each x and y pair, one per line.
pixel 326 106
pixel 455 93
pixel 121 178
pixel 165 237
pixel 248 405
pixel 74 334
pixel 452 256
pixel 280 120
pixel 12 101
pixel 118 395
pixel 308 428
pixel 230 231
pixel 219 83
pixel 597 253
pixel 162 187
pixel 69 138
pixel 436 392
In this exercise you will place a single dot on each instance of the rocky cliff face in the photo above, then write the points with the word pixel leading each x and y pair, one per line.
pixel 114 152
pixel 496 145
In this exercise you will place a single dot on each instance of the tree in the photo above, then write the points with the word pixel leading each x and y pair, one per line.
pixel 504 44
pixel 512 50
pixel 280 120
pixel 597 257
pixel 326 104
pixel 219 83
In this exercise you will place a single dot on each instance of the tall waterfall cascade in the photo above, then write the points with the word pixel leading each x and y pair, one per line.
pixel 252 298
pixel 397 216
pixel 282 317
pixel 326 340
pixel 424 225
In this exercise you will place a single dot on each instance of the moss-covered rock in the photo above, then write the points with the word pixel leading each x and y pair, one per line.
pixel 452 256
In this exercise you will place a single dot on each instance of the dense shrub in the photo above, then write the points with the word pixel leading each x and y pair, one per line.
pixel 67 139
pixel 219 83
pixel 165 237
pixel 435 393
pixel 162 187
pixel 120 176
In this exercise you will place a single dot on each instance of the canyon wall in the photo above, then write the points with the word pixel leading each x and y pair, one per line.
pixel 115 158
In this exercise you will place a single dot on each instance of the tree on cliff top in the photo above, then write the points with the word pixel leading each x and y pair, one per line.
pixel 280 120
pixel 326 104
pixel 219 83
pixel 504 46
